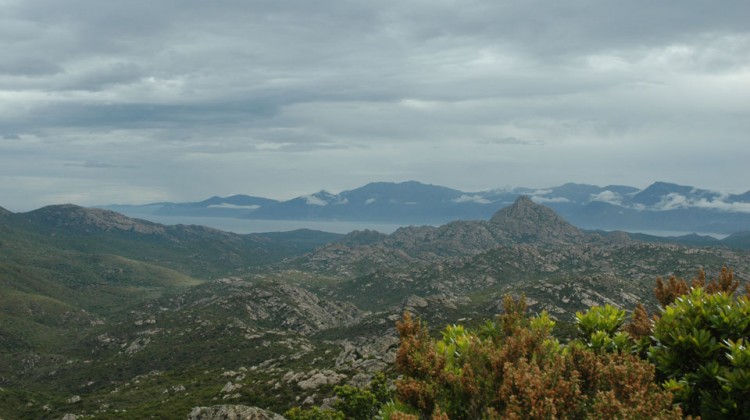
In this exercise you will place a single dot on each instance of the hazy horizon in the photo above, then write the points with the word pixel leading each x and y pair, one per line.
pixel 281 199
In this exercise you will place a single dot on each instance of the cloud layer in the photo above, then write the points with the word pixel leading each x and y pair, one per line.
pixel 146 101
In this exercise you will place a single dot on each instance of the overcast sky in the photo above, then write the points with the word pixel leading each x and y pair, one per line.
pixel 138 101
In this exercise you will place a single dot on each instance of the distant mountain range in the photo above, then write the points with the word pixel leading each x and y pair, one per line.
pixel 660 207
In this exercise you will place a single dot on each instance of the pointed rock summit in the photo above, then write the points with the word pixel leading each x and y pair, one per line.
pixel 526 221
pixel 4 212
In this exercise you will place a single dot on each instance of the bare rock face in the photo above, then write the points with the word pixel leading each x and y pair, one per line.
pixel 313 379
pixel 318 379
pixel 287 306
pixel 523 223
pixel 528 222
pixel 232 412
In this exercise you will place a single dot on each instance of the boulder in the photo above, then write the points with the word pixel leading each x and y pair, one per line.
pixel 232 412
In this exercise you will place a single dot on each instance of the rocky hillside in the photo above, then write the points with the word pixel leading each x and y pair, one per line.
pixel 111 317
pixel 198 250
pixel 72 218
pixel 524 222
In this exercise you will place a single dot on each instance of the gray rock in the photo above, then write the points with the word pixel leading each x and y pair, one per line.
pixel 230 387
pixel 232 412
pixel 415 301
pixel 318 379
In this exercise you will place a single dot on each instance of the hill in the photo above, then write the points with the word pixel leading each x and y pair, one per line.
pixel 65 269
pixel 739 240
pixel 195 250
pixel 524 222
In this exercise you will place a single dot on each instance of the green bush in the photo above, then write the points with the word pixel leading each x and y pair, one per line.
pixel 605 318
pixel 700 352
pixel 396 410
pixel 352 403
pixel 601 329
pixel 314 413
pixel 356 403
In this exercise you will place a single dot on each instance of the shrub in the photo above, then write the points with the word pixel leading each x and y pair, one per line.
pixel 513 368
pixel 314 413
pixel 396 410
pixel 601 329
pixel 356 403
pixel 700 352
pixel 352 403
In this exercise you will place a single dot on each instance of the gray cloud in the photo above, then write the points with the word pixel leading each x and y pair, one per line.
pixel 508 140
pixel 300 96
pixel 99 165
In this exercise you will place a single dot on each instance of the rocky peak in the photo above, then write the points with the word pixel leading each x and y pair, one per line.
pixel 523 209
pixel 527 221
pixel 4 212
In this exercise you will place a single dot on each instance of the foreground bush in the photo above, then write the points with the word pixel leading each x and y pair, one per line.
pixel 514 368
pixel 701 351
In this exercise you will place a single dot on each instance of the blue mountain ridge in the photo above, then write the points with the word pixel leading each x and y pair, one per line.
pixel 660 206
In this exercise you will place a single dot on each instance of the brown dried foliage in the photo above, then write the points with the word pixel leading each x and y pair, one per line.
pixel 699 281
pixel 620 385
pixel 418 394
pixel 667 293
pixel 531 390
pixel 725 283
pixel 519 376
pixel 438 414
pixel 514 311
pixel 626 389
pixel 415 355
pixel 640 324
pixel 403 416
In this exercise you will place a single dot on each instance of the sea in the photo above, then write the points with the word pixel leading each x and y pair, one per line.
pixel 235 225
pixel 230 224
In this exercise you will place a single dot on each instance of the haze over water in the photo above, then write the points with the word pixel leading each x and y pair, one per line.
pixel 230 224
pixel 243 226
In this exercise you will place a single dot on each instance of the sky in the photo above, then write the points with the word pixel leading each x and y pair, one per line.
pixel 140 101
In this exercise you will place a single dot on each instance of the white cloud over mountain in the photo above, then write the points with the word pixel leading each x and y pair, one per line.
pixel 607 197
pixel 471 199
